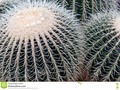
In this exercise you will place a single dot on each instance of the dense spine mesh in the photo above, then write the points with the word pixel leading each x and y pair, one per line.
pixel 103 42
pixel 52 55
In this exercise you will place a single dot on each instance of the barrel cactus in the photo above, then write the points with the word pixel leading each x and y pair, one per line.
pixel 103 42
pixel 84 8
pixel 39 41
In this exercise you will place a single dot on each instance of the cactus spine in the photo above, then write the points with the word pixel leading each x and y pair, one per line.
pixel 40 41
pixel 84 8
pixel 103 42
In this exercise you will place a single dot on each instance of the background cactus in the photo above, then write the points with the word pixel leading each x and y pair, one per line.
pixel 84 8
pixel 103 46
pixel 39 41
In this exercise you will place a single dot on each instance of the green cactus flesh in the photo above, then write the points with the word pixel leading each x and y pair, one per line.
pixel 84 8
pixel 103 42
pixel 40 41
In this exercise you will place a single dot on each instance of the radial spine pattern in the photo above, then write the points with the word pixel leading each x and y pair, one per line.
pixel 103 42
pixel 40 41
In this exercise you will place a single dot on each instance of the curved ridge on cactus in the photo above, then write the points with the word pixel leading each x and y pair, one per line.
pixel 40 41
pixel 84 8
pixel 103 42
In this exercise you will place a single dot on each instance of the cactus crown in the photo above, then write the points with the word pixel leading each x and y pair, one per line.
pixel 29 22
pixel 116 23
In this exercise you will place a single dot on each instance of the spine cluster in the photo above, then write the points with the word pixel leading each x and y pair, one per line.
pixel 103 46
pixel 39 41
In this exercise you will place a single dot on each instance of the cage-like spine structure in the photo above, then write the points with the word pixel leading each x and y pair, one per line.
pixel 39 41
pixel 103 42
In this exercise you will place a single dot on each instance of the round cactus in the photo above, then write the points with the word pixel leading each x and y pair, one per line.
pixel 39 41
pixel 103 42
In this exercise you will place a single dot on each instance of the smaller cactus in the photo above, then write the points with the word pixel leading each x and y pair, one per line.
pixel 40 41
pixel 103 42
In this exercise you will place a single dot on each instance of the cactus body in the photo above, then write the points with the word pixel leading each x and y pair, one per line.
pixel 84 8
pixel 103 42
pixel 40 41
